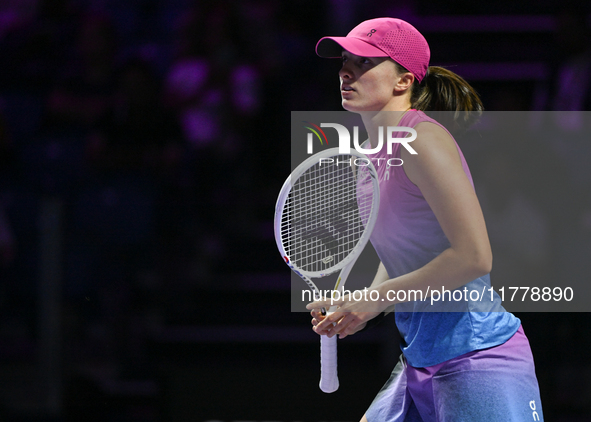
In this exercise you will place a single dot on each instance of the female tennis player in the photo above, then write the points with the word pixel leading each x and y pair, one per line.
pixel 464 357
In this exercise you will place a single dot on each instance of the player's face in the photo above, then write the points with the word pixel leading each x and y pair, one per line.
pixel 367 83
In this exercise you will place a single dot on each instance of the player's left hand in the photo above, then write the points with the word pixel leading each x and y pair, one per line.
pixel 349 317
pixel 326 330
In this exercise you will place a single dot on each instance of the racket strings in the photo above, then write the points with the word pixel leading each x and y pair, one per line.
pixel 325 214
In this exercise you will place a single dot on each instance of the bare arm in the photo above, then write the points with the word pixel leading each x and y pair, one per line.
pixel 438 173
pixel 381 276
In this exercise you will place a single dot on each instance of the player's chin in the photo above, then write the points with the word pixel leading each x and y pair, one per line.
pixel 354 107
pixel 348 105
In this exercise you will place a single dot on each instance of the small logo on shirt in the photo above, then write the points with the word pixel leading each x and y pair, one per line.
pixel 532 406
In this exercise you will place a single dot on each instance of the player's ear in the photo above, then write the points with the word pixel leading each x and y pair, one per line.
pixel 405 81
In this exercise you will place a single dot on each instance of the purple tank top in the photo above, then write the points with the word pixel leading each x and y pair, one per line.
pixel 410 234
pixel 406 237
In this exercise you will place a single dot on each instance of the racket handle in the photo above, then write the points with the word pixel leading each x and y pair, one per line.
pixel 329 380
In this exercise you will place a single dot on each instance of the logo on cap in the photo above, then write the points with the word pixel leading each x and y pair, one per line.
pixel 370 33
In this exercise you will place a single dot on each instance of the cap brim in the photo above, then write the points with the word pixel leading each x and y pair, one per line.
pixel 332 47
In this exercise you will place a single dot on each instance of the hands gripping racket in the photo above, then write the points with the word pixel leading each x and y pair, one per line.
pixel 324 216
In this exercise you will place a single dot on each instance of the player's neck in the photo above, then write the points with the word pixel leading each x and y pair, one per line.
pixel 373 121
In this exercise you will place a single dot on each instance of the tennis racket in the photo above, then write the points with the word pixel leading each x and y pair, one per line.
pixel 324 216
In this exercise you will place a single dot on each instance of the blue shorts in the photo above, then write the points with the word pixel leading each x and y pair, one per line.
pixel 498 384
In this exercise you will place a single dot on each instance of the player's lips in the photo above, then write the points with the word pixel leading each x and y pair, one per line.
pixel 346 90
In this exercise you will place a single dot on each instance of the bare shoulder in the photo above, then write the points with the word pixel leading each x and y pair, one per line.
pixel 431 136
pixel 437 154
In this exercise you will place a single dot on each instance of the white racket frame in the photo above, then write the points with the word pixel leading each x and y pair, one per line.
pixel 329 381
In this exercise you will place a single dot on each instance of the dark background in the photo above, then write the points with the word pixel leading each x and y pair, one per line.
pixel 142 146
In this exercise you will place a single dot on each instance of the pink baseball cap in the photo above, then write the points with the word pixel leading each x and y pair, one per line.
pixel 382 37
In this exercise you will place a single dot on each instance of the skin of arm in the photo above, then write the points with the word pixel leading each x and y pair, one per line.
pixel 436 169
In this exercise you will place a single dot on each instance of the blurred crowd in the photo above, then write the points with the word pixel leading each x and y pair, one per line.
pixel 143 119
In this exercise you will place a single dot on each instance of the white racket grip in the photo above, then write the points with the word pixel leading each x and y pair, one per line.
pixel 329 380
